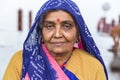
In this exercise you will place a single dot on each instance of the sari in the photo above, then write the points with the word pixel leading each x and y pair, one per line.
pixel 38 64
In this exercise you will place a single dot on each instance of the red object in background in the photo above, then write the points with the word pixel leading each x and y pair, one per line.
pixel 102 25
pixel 30 19
pixel 19 20
pixel 113 23
pixel 99 25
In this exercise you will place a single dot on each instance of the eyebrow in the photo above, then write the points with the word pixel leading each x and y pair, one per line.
pixel 52 22
pixel 68 21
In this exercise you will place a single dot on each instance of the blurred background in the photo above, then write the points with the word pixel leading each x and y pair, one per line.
pixel 99 15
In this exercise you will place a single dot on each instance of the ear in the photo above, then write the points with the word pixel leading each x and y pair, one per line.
pixel 42 40
pixel 78 39
pixel 41 36
pixel 78 35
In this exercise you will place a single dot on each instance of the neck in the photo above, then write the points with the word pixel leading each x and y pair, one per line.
pixel 61 58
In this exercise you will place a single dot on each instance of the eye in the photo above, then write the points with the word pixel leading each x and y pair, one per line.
pixel 67 26
pixel 49 26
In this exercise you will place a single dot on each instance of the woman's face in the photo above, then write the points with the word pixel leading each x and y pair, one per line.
pixel 59 32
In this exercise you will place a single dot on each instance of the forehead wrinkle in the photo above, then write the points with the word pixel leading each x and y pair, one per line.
pixel 54 14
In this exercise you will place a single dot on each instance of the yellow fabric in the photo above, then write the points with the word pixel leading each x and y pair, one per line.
pixel 85 67
pixel 14 69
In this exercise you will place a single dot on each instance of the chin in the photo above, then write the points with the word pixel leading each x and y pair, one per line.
pixel 59 51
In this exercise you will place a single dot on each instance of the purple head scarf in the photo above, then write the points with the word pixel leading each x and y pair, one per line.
pixel 35 62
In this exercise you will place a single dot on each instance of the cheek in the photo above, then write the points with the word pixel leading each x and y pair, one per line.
pixel 71 36
pixel 46 36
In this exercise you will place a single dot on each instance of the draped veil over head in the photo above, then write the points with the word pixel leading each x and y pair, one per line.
pixel 35 63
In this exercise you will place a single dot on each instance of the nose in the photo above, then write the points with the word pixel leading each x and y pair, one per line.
pixel 58 33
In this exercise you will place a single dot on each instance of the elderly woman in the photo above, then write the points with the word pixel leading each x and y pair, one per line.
pixel 59 46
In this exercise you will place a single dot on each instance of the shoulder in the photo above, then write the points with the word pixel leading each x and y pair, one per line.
pixel 87 60
pixel 17 55
pixel 14 68
pixel 16 59
pixel 83 64
pixel 85 56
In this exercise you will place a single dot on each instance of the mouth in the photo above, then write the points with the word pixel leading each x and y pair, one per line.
pixel 58 43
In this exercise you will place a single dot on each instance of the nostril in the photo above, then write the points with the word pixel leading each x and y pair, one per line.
pixel 57 34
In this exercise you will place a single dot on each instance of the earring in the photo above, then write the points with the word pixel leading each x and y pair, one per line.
pixel 77 41
pixel 42 41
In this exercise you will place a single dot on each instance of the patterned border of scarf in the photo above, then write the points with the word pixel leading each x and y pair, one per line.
pixel 35 62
